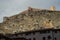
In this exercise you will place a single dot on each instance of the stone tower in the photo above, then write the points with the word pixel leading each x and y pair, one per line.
pixel 52 8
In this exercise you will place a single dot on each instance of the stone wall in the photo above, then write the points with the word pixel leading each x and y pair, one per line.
pixel 32 19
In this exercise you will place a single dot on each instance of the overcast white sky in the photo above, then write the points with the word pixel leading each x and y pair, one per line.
pixel 13 7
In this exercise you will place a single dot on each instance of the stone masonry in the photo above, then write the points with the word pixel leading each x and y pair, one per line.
pixel 30 19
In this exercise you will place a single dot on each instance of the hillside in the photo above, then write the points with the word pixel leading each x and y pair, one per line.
pixel 30 19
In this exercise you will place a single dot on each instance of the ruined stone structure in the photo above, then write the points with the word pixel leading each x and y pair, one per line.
pixel 29 20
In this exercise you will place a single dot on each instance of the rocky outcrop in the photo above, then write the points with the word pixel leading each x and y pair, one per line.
pixel 31 19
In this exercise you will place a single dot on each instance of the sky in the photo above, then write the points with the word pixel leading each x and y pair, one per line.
pixel 13 7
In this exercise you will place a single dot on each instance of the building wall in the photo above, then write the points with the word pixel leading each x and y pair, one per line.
pixel 36 35
pixel 56 35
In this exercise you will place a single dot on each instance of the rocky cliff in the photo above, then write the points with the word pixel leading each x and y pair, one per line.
pixel 30 19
